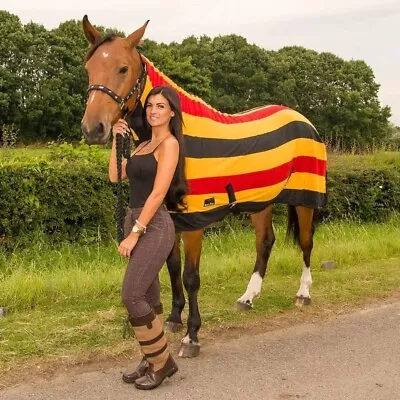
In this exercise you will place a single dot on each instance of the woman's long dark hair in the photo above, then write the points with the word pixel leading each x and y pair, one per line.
pixel 174 200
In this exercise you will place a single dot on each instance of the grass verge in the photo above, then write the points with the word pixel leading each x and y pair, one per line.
pixel 64 302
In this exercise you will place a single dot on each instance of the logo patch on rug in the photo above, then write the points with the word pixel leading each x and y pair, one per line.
pixel 209 202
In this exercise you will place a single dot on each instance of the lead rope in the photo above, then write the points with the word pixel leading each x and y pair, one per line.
pixel 123 149
pixel 123 144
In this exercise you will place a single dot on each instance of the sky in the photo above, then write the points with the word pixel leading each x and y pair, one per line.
pixel 368 30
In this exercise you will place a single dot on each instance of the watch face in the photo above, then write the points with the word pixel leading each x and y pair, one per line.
pixel 136 229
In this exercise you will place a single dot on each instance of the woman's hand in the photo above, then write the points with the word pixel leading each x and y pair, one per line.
pixel 120 127
pixel 128 244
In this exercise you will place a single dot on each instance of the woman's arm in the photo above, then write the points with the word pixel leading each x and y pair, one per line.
pixel 168 154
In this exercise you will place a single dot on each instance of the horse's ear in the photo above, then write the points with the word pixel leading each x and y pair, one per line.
pixel 91 33
pixel 135 37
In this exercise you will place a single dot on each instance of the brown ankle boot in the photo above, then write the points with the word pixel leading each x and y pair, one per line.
pixel 137 373
pixel 144 364
pixel 149 332
pixel 152 379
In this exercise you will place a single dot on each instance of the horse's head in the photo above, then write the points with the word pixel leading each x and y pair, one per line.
pixel 115 70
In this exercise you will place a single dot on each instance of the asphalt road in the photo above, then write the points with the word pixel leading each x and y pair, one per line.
pixel 355 356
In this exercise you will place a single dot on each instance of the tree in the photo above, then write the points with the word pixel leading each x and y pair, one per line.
pixel 62 93
pixel 43 83
pixel 239 74
pixel 11 57
pixel 177 67
pixel 339 97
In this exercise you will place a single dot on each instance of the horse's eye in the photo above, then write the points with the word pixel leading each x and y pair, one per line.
pixel 123 70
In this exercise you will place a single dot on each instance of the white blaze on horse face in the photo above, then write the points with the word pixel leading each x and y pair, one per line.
pixel 253 289
pixel 107 124
pixel 105 55
pixel 92 97
pixel 305 283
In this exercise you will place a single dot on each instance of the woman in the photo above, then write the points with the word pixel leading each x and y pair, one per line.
pixel 157 182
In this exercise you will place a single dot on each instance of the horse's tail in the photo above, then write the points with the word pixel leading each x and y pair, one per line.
pixel 293 228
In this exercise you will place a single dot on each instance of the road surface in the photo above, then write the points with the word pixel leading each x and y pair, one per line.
pixel 354 356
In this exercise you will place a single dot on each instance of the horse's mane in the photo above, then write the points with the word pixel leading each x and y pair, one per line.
pixel 107 38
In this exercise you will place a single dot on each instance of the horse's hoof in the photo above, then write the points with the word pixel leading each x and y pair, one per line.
pixel 239 306
pixel 172 327
pixel 189 350
pixel 302 301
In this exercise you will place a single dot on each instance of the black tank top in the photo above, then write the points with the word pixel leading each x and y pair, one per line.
pixel 141 170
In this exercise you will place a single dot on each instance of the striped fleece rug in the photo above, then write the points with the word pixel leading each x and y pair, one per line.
pixel 243 162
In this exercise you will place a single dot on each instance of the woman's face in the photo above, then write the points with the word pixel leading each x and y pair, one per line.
pixel 158 111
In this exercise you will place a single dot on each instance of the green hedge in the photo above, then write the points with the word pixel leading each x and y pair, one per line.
pixel 70 198
pixel 61 193
pixel 68 202
pixel 363 195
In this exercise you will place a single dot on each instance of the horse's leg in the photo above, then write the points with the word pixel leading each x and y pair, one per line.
pixel 265 238
pixel 190 346
pixel 174 321
pixel 305 239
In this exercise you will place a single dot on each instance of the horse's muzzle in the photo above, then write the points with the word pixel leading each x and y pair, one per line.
pixel 96 134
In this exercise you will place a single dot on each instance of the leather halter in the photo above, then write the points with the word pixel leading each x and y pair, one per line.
pixel 138 87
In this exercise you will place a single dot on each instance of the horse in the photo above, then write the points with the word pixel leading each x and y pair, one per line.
pixel 235 163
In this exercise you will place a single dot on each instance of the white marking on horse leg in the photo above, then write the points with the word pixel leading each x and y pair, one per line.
pixel 253 289
pixel 187 340
pixel 305 283
pixel 189 348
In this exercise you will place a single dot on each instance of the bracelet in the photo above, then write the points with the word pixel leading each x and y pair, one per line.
pixel 141 225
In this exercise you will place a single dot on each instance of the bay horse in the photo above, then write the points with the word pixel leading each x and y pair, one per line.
pixel 242 162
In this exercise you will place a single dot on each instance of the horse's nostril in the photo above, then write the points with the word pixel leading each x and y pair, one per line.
pixel 100 128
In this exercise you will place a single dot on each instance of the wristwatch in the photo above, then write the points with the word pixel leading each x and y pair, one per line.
pixel 137 230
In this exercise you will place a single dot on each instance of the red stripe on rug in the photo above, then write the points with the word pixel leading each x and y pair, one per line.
pixel 254 180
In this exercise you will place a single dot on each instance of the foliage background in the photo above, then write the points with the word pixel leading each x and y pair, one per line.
pixel 43 83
